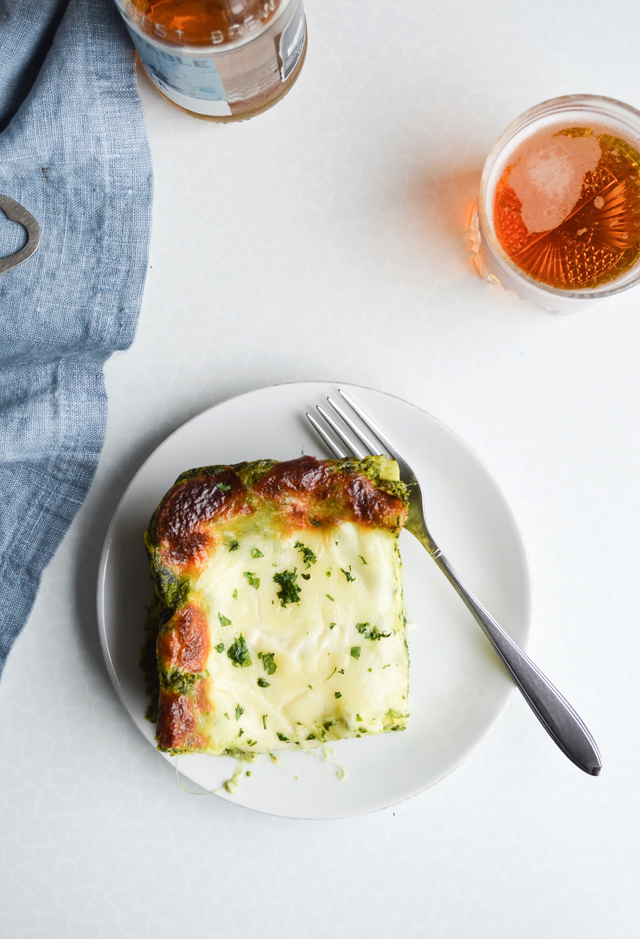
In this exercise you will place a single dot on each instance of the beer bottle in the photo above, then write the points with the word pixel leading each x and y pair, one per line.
pixel 219 60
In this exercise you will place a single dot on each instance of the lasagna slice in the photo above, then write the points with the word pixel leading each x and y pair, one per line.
pixel 279 605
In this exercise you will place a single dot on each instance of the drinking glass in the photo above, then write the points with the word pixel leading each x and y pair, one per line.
pixel 572 115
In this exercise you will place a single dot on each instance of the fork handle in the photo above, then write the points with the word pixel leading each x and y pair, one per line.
pixel 552 710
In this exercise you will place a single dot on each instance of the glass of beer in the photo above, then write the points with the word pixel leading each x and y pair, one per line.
pixel 558 217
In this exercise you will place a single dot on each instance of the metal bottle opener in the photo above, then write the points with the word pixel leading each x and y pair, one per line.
pixel 17 213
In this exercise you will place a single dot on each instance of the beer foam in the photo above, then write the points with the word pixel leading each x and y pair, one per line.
pixel 548 175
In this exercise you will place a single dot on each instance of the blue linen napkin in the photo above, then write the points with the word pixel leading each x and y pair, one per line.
pixel 74 153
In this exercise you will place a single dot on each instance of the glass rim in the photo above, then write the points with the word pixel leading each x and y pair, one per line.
pixel 547 109
pixel 212 48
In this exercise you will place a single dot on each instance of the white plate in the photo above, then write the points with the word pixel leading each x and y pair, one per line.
pixel 458 687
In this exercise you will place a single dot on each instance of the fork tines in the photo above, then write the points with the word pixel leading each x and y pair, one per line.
pixel 352 447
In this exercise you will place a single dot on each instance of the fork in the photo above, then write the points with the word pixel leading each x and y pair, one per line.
pixel 552 710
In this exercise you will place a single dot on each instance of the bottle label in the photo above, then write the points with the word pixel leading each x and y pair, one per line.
pixel 192 81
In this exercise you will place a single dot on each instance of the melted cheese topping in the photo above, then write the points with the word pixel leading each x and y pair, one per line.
pixel 340 655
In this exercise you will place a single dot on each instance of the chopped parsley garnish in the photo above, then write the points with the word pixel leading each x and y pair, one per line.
pixel 331 625
pixel 310 737
pixel 282 737
pixel 256 553
pixel 268 661
pixel 234 545
pixel 240 732
pixel 308 556
pixel 328 595
pixel 306 576
pixel 328 573
pixel 358 718
pixel 316 523
pixel 355 651
pixel 289 591
pixel 332 673
pixel 235 594
pixel 220 647
pixel 348 574
pixel 252 580
pixel 238 652
pixel 224 487
pixel 223 620
pixel 264 721
pixel 371 632
pixel 251 743
pixel 337 694
pixel 362 559
pixel 264 683
pixel 239 711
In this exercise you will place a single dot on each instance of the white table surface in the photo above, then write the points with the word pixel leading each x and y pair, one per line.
pixel 325 239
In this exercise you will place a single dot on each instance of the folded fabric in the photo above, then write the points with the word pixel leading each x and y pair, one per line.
pixel 74 153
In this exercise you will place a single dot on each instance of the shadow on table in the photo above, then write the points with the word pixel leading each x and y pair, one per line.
pixel 445 202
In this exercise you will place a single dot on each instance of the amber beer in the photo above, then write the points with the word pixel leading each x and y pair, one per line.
pixel 567 208
pixel 219 60
pixel 559 211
